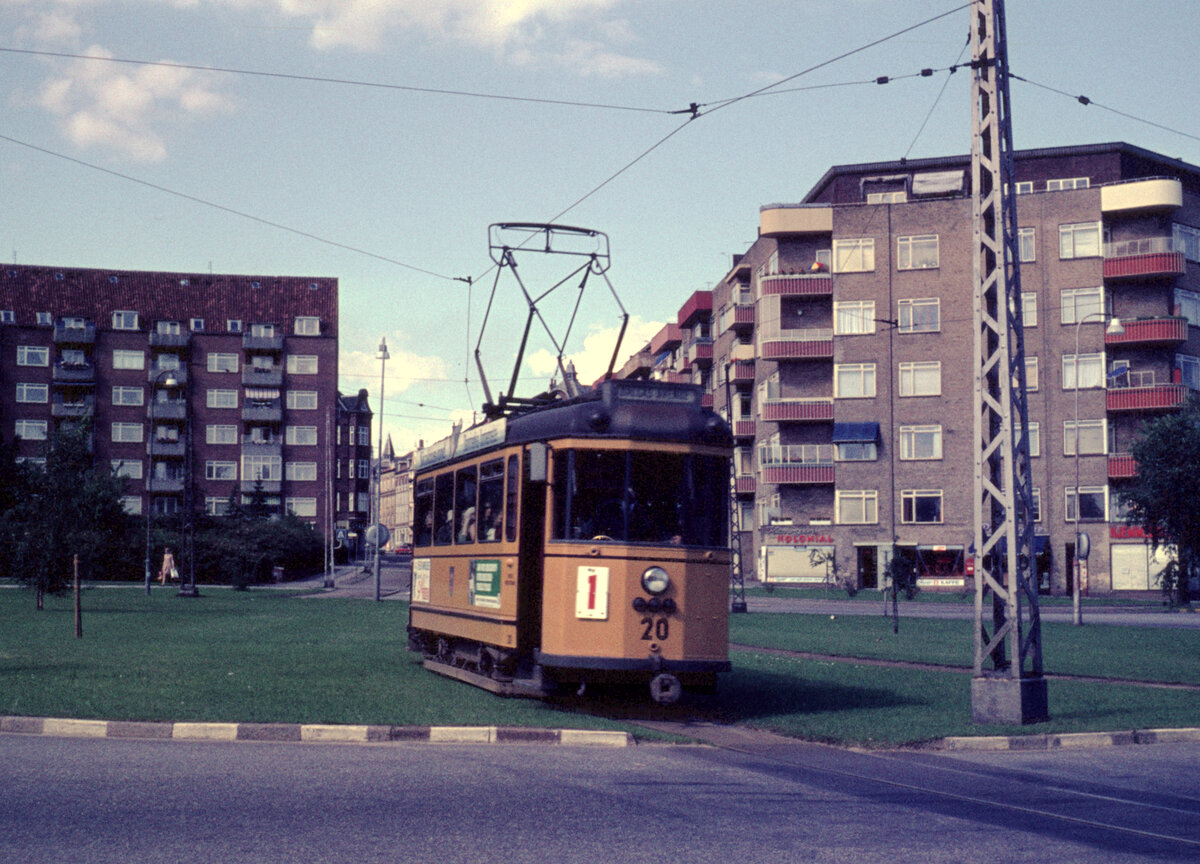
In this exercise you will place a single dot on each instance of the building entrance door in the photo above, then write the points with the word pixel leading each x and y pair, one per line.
pixel 868 567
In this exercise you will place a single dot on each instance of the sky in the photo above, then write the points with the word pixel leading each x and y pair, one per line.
pixel 376 140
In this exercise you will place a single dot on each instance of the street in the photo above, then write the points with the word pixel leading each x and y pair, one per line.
pixel 756 799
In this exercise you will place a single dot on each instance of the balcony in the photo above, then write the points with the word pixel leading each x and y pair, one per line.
pixel 1143 258
pixel 1150 331
pixel 1140 391
pixel 173 409
pixel 257 376
pixel 262 411
pixel 738 318
pixel 269 487
pixel 746 484
pixel 84 334
pixel 696 307
pixel 798 285
pixel 169 340
pixel 811 344
pixel 743 428
pixel 666 339
pixel 797 464
pixel 811 410
pixel 253 447
pixel 741 372
pixel 166 449
pixel 74 409
pixel 254 342
pixel 74 373
pixel 706 401
pixel 1150 193
pixel 166 484
pixel 1121 466
pixel 700 352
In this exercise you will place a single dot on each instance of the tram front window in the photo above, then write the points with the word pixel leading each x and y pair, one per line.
pixel 640 497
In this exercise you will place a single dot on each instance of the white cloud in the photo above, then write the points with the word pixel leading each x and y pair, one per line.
pixel 592 360
pixel 119 107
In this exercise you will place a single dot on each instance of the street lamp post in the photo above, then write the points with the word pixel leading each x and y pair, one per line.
pixel 169 382
pixel 383 358
pixel 1114 327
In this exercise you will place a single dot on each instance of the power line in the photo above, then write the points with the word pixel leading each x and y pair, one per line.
pixel 197 200
pixel 1085 101
pixel 319 79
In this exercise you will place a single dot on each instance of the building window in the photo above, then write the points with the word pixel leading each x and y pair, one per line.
pixel 127 468
pixel 127 432
pixel 302 364
pixel 895 196
pixel 128 359
pixel 33 355
pixel 301 471
pixel 132 504
pixel 38 393
pixel 7 316
pixel 1024 187
pixel 302 400
pixel 222 362
pixel 166 506
pixel 302 435
pixel 1082 371
pixel 1079 303
pixel 1026 244
pixel 349 469
pixel 364 436
pixel 1186 239
pixel 857 506
pixel 1189 305
pixel 1029 308
pixel 920 315
pixel 854 256
pixel 164 362
pixel 303 507
pixel 854 317
pixel 917 252
pixel 264 468
pixel 216 506
pixel 32 430
pixel 921 378
pixel 921 506
pixel 128 395
pixel 167 328
pixel 219 470
pixel 125 320
pixel 1079 240
pixel 1031 374
pixel 234 325
pixel 1189 369
pixel 1093 437
pixel 920 442
pixel 364 468
pixel 1067 183
pixel 307 326
pixel 266 331
pixel 196 325
pixel 220 434
pixel 854 380
pixel 1093 503
pixel 222 399
pixel 364 502
pixel 856 451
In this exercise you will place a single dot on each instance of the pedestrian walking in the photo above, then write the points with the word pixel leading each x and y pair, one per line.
pixel 169 569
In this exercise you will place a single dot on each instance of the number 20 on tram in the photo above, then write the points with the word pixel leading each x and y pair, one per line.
pixel 577 542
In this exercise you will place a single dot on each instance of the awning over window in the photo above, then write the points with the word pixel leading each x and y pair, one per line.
pixel 937 183
pixel 845 433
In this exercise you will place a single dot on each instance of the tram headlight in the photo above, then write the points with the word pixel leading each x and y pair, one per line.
pixel 655 580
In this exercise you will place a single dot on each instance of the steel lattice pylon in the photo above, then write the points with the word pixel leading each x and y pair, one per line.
pixel 1007 686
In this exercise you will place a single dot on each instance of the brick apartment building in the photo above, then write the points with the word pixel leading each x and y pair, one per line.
pixel 199 387
pixel 840 347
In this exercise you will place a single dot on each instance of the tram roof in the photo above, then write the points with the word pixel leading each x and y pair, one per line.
pixel 618 408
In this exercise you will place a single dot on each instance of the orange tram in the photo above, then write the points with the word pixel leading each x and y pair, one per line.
pixel 578 541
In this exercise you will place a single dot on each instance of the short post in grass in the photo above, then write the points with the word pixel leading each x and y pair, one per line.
pixel 78 608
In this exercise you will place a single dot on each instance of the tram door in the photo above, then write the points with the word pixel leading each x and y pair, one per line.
pixel 531 531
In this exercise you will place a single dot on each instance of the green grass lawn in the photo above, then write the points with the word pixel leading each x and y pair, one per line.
pixel 262 656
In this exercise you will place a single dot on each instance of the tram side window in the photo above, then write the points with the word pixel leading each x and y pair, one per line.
pixel 443 488
pixel 423 513
pixel 491 501
pixel 466 486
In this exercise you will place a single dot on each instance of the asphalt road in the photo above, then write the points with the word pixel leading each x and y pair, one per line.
pixel 756 799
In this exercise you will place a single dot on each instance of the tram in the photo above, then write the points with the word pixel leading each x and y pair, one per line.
pixel 580 540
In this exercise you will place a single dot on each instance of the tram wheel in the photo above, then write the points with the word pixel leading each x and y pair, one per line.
pixel 444 654
pixel 665 689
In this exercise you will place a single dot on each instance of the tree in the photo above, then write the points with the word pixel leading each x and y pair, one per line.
pixel 1162 497
pixel 64 508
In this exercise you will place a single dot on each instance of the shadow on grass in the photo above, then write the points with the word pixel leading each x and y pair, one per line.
pixel 743 695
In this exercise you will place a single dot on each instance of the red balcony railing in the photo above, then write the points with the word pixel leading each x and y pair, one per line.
pixel 741 372
pixel 797 410
pixel 1147 331
pixel 746 484
pixel 1121 466
pixel 815 344
pixel 800 475
pixel 744 428
pixel 802 464
pixel 1151 265
pixel 1154 397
